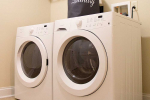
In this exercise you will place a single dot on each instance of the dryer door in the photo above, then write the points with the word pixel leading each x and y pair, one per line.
pixel 31 61
pixel 81 63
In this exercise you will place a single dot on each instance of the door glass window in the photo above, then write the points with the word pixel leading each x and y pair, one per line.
pixel 31 60
pixel 80 60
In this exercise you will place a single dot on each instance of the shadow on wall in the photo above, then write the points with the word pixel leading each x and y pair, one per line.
pixel 146 64
pixel 12 63
pixel 106 7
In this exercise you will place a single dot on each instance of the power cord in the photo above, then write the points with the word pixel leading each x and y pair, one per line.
pixel 132 10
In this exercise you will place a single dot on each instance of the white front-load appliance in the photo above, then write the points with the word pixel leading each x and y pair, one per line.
pixel 33 62
pixel 97 57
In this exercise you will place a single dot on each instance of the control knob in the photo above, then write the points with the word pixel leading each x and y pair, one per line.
pixel 31 31
pixel 79 23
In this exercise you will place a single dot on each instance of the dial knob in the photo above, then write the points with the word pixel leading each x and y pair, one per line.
pixel 31 30
pixel 79 23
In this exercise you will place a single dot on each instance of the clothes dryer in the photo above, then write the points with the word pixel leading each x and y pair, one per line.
pixel 33 62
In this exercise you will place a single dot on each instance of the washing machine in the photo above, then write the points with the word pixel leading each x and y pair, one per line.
pixel 33 62
pixel 97 57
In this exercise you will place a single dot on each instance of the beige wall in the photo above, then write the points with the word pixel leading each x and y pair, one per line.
pixel 13 14
pixel 59 11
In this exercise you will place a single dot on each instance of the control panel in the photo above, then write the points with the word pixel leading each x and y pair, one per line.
pixel 39 30
pixel 90 22
pixel 84 22
pixel 95 22
pixel 35 30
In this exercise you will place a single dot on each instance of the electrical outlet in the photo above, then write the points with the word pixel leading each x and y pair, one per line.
pixel 134 3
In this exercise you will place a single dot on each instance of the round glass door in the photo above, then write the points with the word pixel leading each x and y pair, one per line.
pixel 31 60
pixel 80 60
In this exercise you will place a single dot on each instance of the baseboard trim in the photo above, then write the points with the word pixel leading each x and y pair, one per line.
pixel 146 96
pixel 6 92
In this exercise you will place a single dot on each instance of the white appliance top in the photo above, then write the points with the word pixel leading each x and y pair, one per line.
pixel 89 21
pixel 35 30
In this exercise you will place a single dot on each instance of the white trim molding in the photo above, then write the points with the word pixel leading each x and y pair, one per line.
pixel 146 96
pixel 6 92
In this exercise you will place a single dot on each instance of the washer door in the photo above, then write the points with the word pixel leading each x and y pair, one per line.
pixel 31 62
pixel 81 63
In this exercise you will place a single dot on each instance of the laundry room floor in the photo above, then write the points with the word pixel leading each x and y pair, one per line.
pixel 12 98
